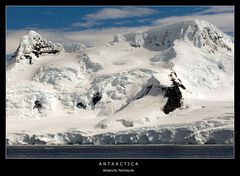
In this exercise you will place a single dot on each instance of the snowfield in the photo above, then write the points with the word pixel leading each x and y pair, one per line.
pixel 168 85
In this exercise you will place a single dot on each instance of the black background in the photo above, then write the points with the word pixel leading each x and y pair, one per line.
pixel 87 167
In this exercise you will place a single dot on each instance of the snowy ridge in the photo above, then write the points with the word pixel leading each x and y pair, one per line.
pixel 201 33
pixel 73 47
pixel 162 88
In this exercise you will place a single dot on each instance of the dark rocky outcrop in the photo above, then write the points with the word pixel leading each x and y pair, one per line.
pixel 81 105
pixel 174 94
pixel 37 105
pixel 174 99
pixel 96 98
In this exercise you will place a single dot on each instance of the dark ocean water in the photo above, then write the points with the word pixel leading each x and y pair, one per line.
pixel 121 151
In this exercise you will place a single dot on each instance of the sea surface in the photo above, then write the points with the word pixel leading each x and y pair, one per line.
pixel 121 151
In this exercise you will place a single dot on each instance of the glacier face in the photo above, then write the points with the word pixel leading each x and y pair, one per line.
pixel 137 76
pixel 200 132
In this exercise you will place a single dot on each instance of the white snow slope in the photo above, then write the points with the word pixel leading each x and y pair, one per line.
pixel 134 74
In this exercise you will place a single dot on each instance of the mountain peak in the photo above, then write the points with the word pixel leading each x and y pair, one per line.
pixel 33 45
pixel 201 33
pixel 33 33
pixel 196 21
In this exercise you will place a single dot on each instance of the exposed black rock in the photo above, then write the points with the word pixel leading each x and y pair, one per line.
pixel 81 105
pixel 135 45
pixel 174 94
pixel 174 99
pixel 96 98
pixel 30 60
pixel 37 105
pixel 41 48
pixel 26 56
pixel 182 86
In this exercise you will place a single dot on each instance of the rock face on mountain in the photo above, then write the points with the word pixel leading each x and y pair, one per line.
pixel 34 45
pixel 174 94
pixel 143 79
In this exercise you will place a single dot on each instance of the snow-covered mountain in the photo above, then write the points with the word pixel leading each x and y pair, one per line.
pixel 201 33
pixel 32 46
pixel 172 84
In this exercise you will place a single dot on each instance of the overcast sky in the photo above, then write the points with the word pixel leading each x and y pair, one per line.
pixel 96 23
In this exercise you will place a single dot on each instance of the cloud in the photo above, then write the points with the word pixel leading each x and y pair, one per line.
pixel 216 9
pixel 94 36
pixel 123 22
pixel 144 20
pixel 116 13
pixel 113 13
pixel 85 24
pixel 220 16
pixel 224 21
